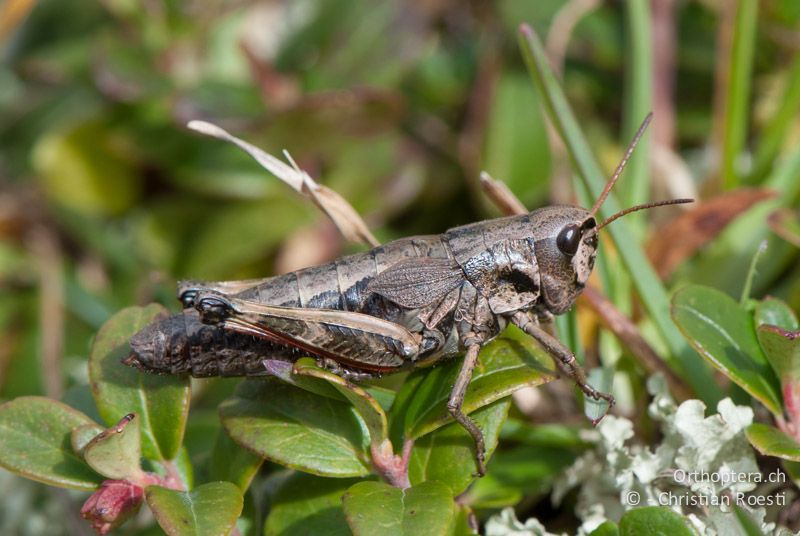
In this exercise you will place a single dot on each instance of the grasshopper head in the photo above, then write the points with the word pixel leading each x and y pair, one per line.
pixel 565 245
pixel 567 249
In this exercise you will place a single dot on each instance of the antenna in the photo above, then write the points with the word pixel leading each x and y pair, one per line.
pixel 621 213
pixel 621 166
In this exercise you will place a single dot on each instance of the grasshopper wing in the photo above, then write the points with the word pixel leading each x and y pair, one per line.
pixel 360 340
pixel 417 282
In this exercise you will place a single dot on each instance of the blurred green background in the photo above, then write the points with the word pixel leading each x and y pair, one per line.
pixel 106 198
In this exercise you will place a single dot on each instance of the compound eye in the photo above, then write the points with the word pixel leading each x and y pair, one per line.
pixel 188 298
pixel 569 239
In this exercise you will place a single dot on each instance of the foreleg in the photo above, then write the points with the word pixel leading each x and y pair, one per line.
pixel 563 357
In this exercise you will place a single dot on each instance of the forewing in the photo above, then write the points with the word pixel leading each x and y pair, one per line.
pixel 417 282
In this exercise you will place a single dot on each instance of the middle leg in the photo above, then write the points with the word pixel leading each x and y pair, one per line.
pixel 456 401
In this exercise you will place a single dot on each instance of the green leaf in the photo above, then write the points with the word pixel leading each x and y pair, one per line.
pixel 402 401
pixel 722 332
pixel 82 435
pixel 782 349
pixel 116 452
pixel 647 283
pixel 653 521
pixel 558 436
pixel 162 402
pixel 180 467
pixel 792 469
pixel 522 471
pixel 748 525
pixel 293 510
pixel 233 463
pixel 775 312
pixel 367 407
pixel 210 509
pixel 448 454
pixel 606 529
pixel 297 429
pixel 35 442
pixel 508 363
pixel 286 372
pixel 602 379
pixel 82 169
pixel 770 441
pixel 372 507
pixel 461 522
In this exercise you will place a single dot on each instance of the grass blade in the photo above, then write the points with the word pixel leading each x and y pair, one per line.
pixel 737 90
pixel 774 133
pixel 638 102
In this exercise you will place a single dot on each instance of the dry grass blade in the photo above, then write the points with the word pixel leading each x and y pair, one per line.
pixel 283 171
pixel 343 215
pixel 499 194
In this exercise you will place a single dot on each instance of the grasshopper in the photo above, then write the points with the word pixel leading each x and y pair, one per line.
pixel 410 303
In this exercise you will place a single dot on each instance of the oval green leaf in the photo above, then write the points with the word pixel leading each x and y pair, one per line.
pixel 776 313
pixel 722 332
pixel 606 529
pixel 782 349
pixel 508 363
pixel 82 435
pixel 116 452
pixel 232 462
pixel 653 521
pixel 36 442
pixel 293 510
pixel 162 402
pixel 366 406
pixel 208 510
pixel 298 429
pixel 375 507
pixel 448 454
pixel 770 441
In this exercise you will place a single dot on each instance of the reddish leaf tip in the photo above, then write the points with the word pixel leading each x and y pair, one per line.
pixel 114 503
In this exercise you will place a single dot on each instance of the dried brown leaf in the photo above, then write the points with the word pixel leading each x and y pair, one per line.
pixel 683 236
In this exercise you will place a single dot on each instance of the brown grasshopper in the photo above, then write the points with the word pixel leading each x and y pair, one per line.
pixel 409 303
